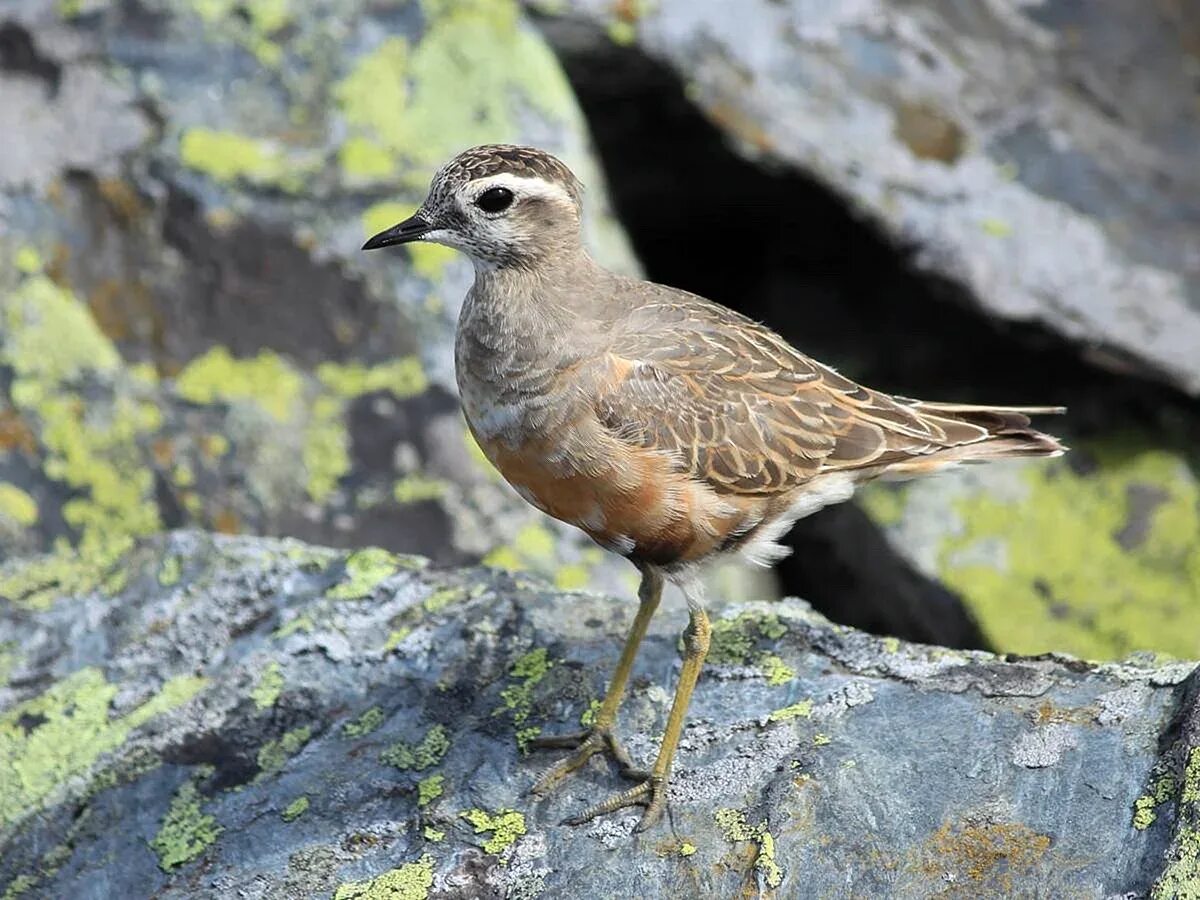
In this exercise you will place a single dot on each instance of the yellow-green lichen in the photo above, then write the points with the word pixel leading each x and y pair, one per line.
pixel 433 834
pixel 415 488
pixel 1067 583
pixel 229 157
pixel 424 755
pixel 269 686
pixel 429 789
pixel 186 830
pixel 36 583
pixel 517 698
pixel 1144 814
pixel 365 569
pixel 19 886
pixel 254 25
pixel 777 671
pixel 302 623
pixel 295 809
pixel 28 260
pixel 735 828
pixel 883 502
pixel 587 718
pixel 532 548
pixel 46 741
pixel 505 826
pixel 801 710
pixel 17 505
pixel 52 344
pixel 402 377
pixel 410 881
pixel 171 571
pixel 364 724
pixel 442 598
pixel 463 83
pixel 395 637
pixel 326 451
pixel 820 739
pixel 273 755
pixel 266 380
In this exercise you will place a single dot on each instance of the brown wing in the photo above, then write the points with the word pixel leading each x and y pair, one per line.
pixel 739 408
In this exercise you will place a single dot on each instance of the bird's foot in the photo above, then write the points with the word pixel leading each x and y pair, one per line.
pixel 650 792
pixel 586 744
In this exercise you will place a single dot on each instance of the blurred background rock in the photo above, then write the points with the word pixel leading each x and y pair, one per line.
pixel 996 204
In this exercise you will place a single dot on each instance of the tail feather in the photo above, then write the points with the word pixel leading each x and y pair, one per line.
pixel 1009 435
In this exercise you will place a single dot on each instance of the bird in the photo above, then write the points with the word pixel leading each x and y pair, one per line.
pixel 670 429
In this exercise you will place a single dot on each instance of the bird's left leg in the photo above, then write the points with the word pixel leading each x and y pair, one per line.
pixel 652 791
pixel 600 738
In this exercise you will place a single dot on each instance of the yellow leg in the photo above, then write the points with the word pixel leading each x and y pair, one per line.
pixel 652 792
pixel 600 737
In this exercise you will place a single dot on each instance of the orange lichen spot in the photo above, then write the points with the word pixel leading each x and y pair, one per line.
pixel 983 858
pixel 15 434
pixel 226 521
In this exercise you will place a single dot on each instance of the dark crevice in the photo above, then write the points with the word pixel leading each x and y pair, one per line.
pixel 19 54
pixel 786 250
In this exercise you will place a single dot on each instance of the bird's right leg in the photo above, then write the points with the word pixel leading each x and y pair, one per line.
pixel 600 737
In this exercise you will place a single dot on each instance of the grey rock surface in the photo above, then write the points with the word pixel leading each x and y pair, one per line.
pixel 1041 154
pixel 237 717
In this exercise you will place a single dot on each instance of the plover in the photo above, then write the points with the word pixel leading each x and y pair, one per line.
pixel 667 427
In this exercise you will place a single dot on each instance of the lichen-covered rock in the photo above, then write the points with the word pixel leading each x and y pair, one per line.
pixel 227 716
pixel 1096 554
pixel 1040 154
pixel 189 334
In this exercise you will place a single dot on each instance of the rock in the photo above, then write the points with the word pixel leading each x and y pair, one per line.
pixel 228 716
pixel 190 334
pixel 1039 155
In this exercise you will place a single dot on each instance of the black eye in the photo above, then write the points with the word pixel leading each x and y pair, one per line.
pixel 495 200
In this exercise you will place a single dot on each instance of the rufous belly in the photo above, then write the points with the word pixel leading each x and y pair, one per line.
pixel 627 499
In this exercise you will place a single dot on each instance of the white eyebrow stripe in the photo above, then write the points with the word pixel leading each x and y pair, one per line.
pixel 522 186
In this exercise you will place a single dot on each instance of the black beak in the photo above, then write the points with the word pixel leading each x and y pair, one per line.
pixel 408 230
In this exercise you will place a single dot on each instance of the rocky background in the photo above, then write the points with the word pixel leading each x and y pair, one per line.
pixel 995 204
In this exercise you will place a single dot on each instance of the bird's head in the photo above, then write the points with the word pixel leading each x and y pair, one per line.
pixel 502 205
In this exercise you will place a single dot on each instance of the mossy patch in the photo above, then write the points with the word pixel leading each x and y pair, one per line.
pixel 269 686
pixel 186 830
pixel 295 809
pixel 273 755
pixel 505 826
pixel 410 881
pixel 429 789
pixel 527 672
pixel 1085 570
pixel 363 724
pixel 427 753
pixel 46 741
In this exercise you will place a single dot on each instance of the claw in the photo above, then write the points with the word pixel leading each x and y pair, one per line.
pixel 650 793
pixel 586 744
